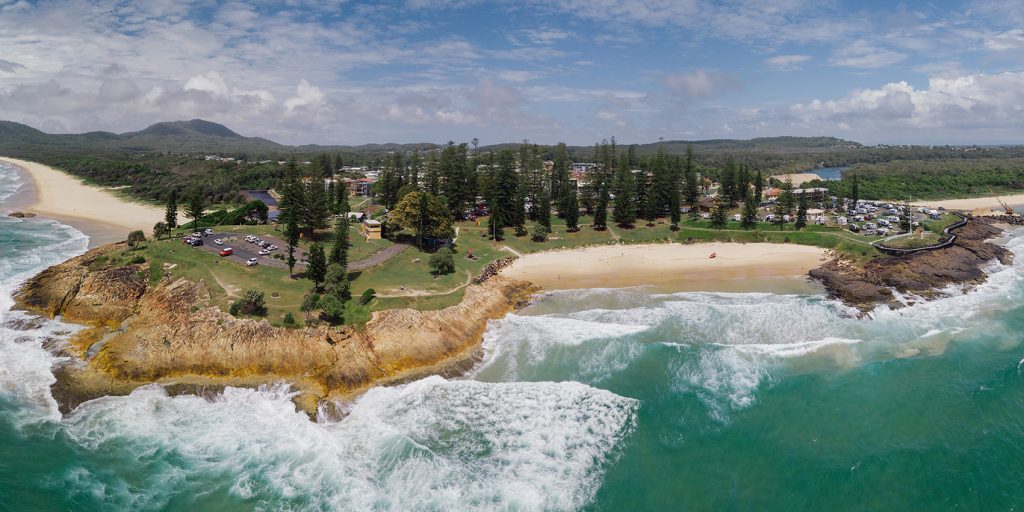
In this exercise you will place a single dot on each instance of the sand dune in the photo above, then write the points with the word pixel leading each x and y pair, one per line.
pixel 94 210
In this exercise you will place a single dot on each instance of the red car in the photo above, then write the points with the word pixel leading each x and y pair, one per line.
pixel 227 251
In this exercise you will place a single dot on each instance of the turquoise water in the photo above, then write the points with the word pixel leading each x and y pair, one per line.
pixel 829 173
pixel 586 400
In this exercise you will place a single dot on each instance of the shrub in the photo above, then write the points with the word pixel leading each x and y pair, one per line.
pixel 289 319
pixel 442 262
pixel 367 296
pixel 336 282
pixel 540 233
pixel 252 304
pixel 333 309
pixel 137 259
pixel 136 237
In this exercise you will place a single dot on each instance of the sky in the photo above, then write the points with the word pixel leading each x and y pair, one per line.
pixel 577 71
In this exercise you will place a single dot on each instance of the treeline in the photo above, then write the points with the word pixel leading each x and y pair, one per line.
pixel 932 179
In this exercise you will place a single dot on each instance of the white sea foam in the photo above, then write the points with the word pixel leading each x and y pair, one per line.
pixel 432 444
pixel 28 246
pixel 520 341
pixel 731 344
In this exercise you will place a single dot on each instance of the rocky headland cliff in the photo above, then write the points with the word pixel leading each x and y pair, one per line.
pixel 169 333
pixel 923 274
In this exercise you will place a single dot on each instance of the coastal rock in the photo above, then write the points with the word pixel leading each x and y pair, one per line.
pixel 21 215
pixel 170 334
pixel 922 273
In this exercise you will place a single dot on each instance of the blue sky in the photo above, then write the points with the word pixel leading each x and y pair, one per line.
pixel 556 70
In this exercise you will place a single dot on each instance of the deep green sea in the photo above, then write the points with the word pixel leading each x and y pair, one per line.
pixel 586 400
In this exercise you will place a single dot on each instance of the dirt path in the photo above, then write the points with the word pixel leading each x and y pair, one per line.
pixel 378 257
pixel 232 291
pixel 424 293
pixel 615 236
pixel 511 250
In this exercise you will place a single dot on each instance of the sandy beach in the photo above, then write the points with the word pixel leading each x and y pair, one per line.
pixel 97 212
pixel 674 267
pixel 975 203
pixel 797 178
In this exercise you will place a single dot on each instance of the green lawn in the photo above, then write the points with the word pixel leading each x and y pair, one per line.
pixel 227 280
pixel 937 225
pixel 927 239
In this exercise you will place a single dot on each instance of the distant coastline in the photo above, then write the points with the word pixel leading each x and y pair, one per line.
pixel 98 213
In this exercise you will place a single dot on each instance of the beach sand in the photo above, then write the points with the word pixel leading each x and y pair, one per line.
pixel 95 211
pixel 976 203
pixel 780 268
pixel 797 178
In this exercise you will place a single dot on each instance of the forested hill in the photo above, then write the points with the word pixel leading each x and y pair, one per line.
pixel 198 135
pixel 179 136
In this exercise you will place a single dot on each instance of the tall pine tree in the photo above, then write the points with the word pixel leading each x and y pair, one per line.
pixel 748 220
pixel 623 187
pixel 691 188
pixel 339 249
pixel 171 214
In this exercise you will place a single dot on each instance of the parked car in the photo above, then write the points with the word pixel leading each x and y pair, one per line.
pixel 251 261
pixel 264 252
pixel 250 238
pixel 196 235
pixel 208 231
pixel 227 251
pixel 272 248
pixel 219 241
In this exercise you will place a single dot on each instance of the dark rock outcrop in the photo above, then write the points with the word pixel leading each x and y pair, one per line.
pixel 923 273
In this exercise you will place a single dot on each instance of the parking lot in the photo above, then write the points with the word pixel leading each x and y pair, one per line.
pixel 242 250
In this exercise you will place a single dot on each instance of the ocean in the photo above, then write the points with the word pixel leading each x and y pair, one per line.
pixel 606 399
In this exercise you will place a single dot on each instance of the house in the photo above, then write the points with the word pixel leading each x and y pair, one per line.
pixel 772 193
pixel 371 229
pixel 813 194
pixel 356 216
pixel 358 186
pixel 582 167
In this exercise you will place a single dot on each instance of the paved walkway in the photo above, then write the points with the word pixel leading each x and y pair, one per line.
pixel 378 257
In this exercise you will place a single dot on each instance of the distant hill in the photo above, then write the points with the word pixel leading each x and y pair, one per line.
pixel 200 136
pixel 196 135
pixel 195 127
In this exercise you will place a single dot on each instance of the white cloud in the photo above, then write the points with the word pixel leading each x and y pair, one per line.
pixel 862 54
pixel 698 83
pixel 787 62
pixel 1006 41
pixel 210 82
pixel 993 101
pixel 307 97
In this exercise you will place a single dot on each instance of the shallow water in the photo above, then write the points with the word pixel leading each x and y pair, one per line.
pixel 586 400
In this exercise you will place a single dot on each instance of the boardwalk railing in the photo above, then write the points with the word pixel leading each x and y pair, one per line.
pixel 951 238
